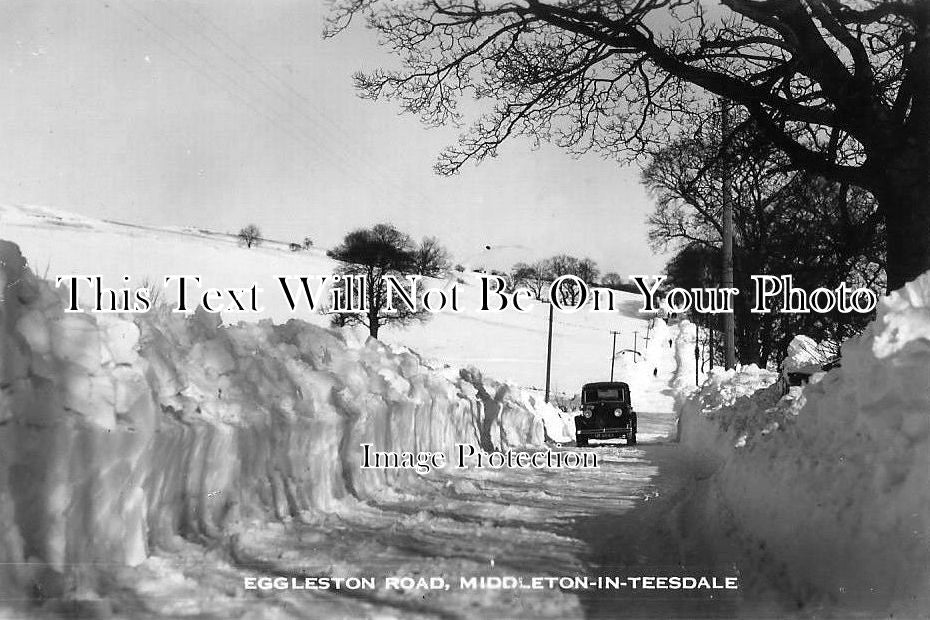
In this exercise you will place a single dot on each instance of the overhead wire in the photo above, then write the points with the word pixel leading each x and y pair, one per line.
pixel 338 127
pixel 140 20
pixel 249 72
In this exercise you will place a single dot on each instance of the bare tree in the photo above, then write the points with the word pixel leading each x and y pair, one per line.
pixel 250 235
pixel 840 86
pixel 587 270
pixel 612 280
pixel 375 253
pixel 841 240
pixel 569 291
pixel 531 277
pixel 431 258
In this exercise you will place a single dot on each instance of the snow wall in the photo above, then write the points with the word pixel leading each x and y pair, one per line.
pixel 119 433
pixel 832 481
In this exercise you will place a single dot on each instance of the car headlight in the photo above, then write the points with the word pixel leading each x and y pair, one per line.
pixel 618 412
pixel 588 413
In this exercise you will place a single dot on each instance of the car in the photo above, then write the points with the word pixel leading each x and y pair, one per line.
pixel 801 374
pixel 606 413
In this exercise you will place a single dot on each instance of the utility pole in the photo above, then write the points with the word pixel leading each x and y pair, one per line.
pixel 710 344
pixel 635 352
pixel 613 354
pixel 549 353
pixel 729 329
pixel 697 360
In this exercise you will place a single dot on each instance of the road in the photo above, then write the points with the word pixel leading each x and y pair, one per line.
pixel 633 516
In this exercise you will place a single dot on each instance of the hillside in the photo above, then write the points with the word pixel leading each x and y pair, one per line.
pixel 507 345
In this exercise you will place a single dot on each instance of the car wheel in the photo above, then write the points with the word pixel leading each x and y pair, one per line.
pixel 631 439
pixel 581 442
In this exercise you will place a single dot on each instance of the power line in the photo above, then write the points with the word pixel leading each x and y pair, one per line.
pixel 238 88
pixel 138 21
pixel 257 78
pixel 332 128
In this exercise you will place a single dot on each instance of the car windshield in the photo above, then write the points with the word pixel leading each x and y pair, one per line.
pixel 608 393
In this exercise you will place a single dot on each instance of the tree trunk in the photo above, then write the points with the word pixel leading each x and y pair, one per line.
pixel 905 202
pixel 373 291
pixel 904 194
pixel 373 322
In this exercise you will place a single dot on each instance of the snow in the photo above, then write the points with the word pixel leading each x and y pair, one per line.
pixel 831 482
pixel 804 355
pixel 152 440
pixel 123 432
pixel 508 345
pixel 184 451
pixel 683 377
pixel 559 425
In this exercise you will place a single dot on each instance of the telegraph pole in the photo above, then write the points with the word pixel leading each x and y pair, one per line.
pixel 635 352
pixel 549 353
pixel 697 360
pixel 613 354
pixel 729 329
pixel 710 331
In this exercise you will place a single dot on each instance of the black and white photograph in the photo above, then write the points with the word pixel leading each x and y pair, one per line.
pixel 444 309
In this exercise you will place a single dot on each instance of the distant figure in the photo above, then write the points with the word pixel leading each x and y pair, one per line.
pixel 669 343
pixel 655 372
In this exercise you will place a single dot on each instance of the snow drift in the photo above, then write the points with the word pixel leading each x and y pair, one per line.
pixel 832 481
pixel 118 433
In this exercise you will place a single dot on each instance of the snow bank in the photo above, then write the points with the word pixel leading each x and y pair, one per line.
pixel 119 434
pixel 683 382
pixel 559 425
pixel 727 409
pixel 804 355
pixel 832 481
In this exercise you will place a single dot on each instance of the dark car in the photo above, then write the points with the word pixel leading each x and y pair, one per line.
pixel 606 413
pixel 802 375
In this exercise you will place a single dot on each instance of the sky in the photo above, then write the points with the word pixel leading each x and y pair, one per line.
pixel 218 114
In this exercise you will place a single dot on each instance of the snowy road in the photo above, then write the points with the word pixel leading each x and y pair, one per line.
pixel 626 519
